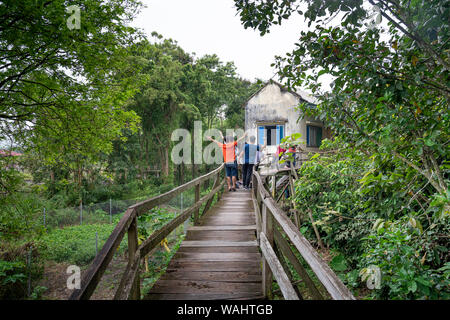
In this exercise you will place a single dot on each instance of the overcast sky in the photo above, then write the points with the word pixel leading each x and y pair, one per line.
pixel 213 26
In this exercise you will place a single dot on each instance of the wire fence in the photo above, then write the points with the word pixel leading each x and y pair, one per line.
pixel 76 234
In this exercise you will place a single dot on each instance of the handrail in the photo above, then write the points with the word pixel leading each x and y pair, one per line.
pixel 153 240
pixel 266 204
pixel 129 286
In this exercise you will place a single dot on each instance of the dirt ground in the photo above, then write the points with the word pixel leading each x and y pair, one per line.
pixel 55 280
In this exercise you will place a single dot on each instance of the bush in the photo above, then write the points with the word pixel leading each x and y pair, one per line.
pixel 12 279
pixel 378 213
pixel 21 216
pixel 405 275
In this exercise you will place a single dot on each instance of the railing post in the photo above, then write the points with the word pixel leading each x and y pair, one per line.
pixel 135 293
pixel 215 185
pixel 274 186
pixel 197 198
pixel 292 192
pixel 267 229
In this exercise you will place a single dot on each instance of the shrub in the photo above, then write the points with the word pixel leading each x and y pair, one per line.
pixel 21 216
pixel 401 260
pixel 376 212
pixel 12 279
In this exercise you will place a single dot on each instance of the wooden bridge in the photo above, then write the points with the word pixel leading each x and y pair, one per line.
pixel 235 249
pixel 219 259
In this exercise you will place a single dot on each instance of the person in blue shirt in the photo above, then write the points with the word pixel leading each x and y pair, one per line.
pixel 249 153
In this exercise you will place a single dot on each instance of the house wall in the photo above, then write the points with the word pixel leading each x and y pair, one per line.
pixel 272 105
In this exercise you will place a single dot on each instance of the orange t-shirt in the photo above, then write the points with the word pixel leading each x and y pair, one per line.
pixel 228 151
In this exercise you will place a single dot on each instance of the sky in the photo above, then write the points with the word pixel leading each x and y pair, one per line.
pixel 213 26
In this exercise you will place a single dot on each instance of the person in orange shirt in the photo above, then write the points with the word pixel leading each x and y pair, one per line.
pixel 229 157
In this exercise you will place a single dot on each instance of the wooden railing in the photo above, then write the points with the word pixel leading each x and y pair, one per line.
pixel 276 235
pixel 129 287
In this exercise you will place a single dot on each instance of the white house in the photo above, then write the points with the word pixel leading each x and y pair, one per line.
pixel 270 115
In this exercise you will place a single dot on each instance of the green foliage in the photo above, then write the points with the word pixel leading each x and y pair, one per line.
pixel 401 259
pixel 382 196
pixel 154 220
pixel 158 264
pixel 75 244
pixel 63 91
pixel 365 213
pixel 20 216
pixel 12 279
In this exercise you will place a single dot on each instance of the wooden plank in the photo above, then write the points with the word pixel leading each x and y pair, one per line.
pixel 215 266
pixel 267 226
pixel 134 286
pixel 219 249
pixel 200 296
pixel 231 217
pixel 199 286
pixel 212 243
pixel 287 270
pixel 230 276
pixel 233 212
pixel 257 217
pixel 233 235
pixel 222 228
pixel 197 198
pixel 204 256
pixel 128 281
pixel 221 221
pixel 277 270
pixel 326 276
pixel 286 251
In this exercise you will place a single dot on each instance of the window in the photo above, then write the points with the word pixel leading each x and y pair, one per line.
pixel 272 134
pixel 313 136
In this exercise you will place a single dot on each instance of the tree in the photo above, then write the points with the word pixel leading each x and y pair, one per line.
pixel 388 108
pixel 62 90
pixel 388 96
pixel 160 100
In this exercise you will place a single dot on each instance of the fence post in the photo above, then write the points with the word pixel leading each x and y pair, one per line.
pixel 135 293
pixel 110 212
pixel 29 271
pixel 197 198
pixel 267 226
pixel 274 186
pixel 96 243
pixel 186 222
pixel 208 203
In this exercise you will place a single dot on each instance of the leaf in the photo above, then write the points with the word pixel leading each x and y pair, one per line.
pixel 412 286
pixel 395 44
pixel 339 263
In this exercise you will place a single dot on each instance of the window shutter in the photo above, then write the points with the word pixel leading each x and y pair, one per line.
pixel 319 136
pixel 280 133
pixel 307 135
pixel 261 135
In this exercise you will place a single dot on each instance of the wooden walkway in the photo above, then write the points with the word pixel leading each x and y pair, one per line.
pixel 219 258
